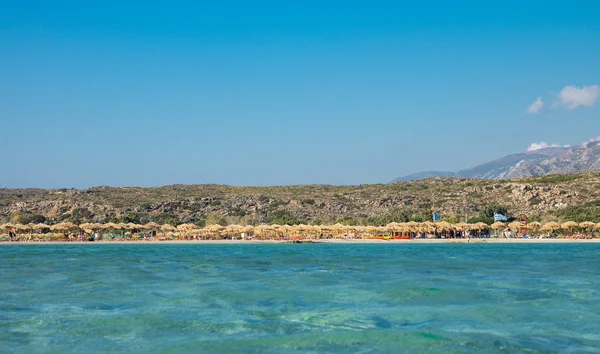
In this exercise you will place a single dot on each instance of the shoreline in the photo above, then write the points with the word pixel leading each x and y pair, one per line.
pixel 326 241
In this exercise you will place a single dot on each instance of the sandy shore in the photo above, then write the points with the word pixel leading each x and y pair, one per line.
pixel 258 242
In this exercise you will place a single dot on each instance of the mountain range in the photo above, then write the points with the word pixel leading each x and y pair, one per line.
pixel 551 160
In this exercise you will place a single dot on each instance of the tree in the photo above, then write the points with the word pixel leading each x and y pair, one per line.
pixel 282 217
pixel 17 217
pixel 214 219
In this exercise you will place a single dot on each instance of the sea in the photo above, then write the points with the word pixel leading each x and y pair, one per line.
pixel 300 298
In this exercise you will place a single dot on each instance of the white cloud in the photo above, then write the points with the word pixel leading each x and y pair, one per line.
pixel 543 145
pixel 573 96
pixel 535 106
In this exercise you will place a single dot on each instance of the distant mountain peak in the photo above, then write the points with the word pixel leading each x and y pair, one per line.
pixel 583 158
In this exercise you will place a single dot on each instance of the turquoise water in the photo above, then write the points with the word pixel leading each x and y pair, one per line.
pixel 419 298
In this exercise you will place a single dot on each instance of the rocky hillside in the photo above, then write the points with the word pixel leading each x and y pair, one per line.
pixel 554 160
pixel 547 197
pixel 585 158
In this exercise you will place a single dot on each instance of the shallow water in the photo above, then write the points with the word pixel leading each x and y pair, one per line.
pixel 278 298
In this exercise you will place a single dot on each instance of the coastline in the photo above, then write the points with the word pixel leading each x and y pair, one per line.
pixel 326 241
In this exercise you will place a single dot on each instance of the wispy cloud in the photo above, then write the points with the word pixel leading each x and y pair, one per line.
pixel 573 97
pixel 535 107
pixel 570 97
pixel 543 145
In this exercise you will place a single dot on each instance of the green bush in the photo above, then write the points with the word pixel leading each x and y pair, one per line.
pixel 282 217
pixel 587 212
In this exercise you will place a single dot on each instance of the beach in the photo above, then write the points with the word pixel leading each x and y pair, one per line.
pixel 326 241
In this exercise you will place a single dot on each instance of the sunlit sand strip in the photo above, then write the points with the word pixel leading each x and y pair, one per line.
pixel 330 241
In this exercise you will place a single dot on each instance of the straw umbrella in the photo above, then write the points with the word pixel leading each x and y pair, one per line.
pixel 40 226
pixel 587 226
pixel 569 225
pixel 248 230
pixel 261 230
pixel 152 227
pixel 515 226
pixel 110 225
pixel 481 226
pixel 86 227
pixel 393 227
pixel 534 226
pixel 443 226
pixel 497 226
pixel 232 230
pixel 10 228
pixel 462 226
pixel 166 228
pixel 551 226
pixel 185 229
pixel 429 227
pixel 371 230
pixel 597 226
pixel 215 230
pixel 64 227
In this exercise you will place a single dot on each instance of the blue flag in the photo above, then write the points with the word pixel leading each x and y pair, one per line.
pixel 436 217
pixel 499 217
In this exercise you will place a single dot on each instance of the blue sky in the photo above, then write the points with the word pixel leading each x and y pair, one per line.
pixel 265 93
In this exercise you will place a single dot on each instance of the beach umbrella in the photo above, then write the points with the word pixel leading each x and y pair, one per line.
pixel 359 231
pixel 64 226
pixel 551 226
pixel 40 226
pixel 248 230
pixel 412 226
pixel 482 226
pixel 8 226
pixel 497 226
pixel 167 227
pixel 185 229
pixel 276 229
pixel 122 226
pixel 569 225
pixel 462 226
pixel 316 230
pixel 443 226
pixel 337 230
pixel 261 230
pixel 394 227
pixel 110 225
pixel 86 227
pixel 429 226
pixel 19 228
pixel 587 226
pixel 151 226
pixel 215 229
pixel 371 230
pixel 515 225
pixel 534 226
pixel 232 230
pixel 381 229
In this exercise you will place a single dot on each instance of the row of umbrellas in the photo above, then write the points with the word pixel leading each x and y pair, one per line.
pixel 274 230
